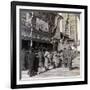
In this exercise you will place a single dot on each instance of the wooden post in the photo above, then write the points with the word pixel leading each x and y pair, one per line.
pixel 31 31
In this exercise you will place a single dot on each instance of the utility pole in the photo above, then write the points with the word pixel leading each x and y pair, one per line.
pixel 76 32
pixel 31 43
pixel 67 25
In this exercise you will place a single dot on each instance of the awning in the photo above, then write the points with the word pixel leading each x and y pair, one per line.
pixel 36 40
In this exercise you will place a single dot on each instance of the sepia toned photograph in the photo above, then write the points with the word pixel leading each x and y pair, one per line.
pixel 48 44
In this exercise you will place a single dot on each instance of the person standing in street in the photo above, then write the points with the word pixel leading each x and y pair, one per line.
pixel 70 58
pixel 50 57
pixel 56 59
pixel 41 61
pixel 60 58
pixel 46 63
pixel 65 57
pixel 31 63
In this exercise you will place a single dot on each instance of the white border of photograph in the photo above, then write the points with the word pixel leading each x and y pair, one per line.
pixel 54 79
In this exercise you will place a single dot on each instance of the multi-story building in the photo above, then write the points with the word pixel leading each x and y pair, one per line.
pixel 37 29
pixel 71 25
pixel 69 28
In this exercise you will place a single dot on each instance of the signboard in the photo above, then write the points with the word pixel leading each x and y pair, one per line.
pixel 41 25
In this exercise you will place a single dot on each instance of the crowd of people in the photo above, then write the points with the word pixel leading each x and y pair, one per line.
pixel 44 60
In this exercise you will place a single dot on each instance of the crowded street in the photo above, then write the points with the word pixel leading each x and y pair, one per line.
pixel 57 72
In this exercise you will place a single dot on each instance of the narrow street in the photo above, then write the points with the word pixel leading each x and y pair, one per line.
pixel 58 72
